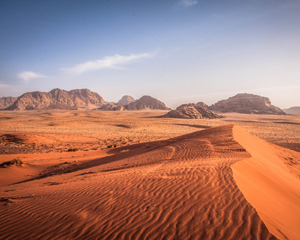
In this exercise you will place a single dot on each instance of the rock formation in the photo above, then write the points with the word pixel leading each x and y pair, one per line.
pixel 58 99
pixel 292 110
pixel 111 107
pixel 125 100
pixel 146 102
pixel 191 111
pixel 6 102
pixel 202 104
pixel 246 103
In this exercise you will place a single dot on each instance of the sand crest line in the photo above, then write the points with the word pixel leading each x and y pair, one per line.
pixel 268 185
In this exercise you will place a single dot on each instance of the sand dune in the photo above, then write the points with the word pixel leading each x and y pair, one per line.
pixel 269 185
pixel 181 188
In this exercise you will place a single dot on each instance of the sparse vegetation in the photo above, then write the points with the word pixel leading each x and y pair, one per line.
pixel 72 149
pixel 16 162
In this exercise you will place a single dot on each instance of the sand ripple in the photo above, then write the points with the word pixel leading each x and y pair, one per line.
pixel 182 188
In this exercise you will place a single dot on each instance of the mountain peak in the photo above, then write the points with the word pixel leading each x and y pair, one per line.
pixel 146 102
pixel 125 100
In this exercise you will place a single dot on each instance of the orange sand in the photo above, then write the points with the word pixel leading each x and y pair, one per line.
pixel 181 188
pixel 269 185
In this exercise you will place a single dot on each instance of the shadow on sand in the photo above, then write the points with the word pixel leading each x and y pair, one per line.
pixel 193 126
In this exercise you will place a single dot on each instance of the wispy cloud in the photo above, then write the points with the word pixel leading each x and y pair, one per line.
pixel 26 76
pixel 188 3
pixel 106 62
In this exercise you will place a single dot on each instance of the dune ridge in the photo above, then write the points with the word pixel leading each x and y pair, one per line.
pixel 181 188
pixel 269 184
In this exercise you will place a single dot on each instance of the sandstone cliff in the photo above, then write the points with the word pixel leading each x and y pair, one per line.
pixel 58 99
pixel 246 103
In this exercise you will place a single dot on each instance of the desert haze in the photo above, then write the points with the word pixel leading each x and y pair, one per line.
pixel 134 175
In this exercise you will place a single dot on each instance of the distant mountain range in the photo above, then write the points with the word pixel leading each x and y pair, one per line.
pixel 86 99
pixel 240 103
pixel 76 99
pixel 292 110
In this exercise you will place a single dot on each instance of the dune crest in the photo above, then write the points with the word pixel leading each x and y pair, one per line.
pixel 269 185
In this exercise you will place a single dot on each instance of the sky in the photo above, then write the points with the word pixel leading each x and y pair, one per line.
pixel 178 51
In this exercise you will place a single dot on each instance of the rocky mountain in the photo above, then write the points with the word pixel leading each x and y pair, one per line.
pixel 6 102
pixel 292 110
pixel 111 107
pixel 246 103
pixel 58 99
pixel 125 100
pixel 146 102
pixel 191 111
pixel 202 104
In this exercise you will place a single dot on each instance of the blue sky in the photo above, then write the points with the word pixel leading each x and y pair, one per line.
pixel 178 51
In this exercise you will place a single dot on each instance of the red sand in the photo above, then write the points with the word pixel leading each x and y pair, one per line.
pixel 182 188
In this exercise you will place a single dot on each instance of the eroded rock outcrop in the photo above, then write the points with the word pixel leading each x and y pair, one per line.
pixel 58 99
pixel 146 102
pixel 202 104
pixel 191 111
pixel 111 107
pixel 125 100
pixel 6 102
pixel 246 103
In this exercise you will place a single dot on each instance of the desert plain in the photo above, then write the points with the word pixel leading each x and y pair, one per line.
pixel 133 175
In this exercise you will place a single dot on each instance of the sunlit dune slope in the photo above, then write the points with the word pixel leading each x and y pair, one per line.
pixel 270 185
pixel 182 188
